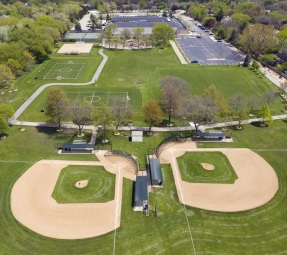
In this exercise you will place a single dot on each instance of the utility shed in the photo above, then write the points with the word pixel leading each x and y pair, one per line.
pixel 141 192
pixel 78 148
pixel 137 136
pixel 155 172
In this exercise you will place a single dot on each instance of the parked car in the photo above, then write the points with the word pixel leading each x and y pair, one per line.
pixel 210 33
pixel 206 31
pixel 194 61
pixel 219 40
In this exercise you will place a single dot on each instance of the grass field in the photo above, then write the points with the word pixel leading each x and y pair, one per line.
pixel 100 188
pixel 138 73
pixel 191 169
pixel 254 232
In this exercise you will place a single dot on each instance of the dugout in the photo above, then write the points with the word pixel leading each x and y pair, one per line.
pixel 209 136
pixel 155 172
pixel 141 193
pixel 78 148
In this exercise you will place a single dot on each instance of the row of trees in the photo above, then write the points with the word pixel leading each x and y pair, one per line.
pixel 58 108
pixel 29 33
pixel 6 112
pixel 208 107
pixel 161 34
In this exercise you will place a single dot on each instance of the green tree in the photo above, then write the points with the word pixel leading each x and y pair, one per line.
pixel 258 39
pixel 221 33
pixel 57 106
pixel 14 66
pixel 6 76
pixel 255 65
pixel 103 116
pixel 78 27
pixel 162 33
pixel 6 111
pixel 264 114
pixel 241 115
pixel 247 60
pixel 81 114
pixel 28 60
pixel 4 127
pixel 153 114
pixel 138 34
pixel 241 19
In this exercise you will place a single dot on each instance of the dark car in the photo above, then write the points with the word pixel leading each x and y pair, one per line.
pixel 194 61
pixel 198 36
pixel 219 40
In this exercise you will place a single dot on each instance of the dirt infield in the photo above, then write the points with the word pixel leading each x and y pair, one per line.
pixel 76 48
pixel 257 181
pixel 33 206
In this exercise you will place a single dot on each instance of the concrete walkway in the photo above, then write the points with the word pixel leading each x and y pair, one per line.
pixel 178 52
pixel 23 107
pixel 154 129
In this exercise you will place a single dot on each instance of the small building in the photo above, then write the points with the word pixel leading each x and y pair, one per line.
pixel 137 136
pixel 141 193
pixel 78 148
pixel 155 172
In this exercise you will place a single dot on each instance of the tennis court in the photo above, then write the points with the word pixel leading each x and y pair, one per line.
pixel 98 98
pixel 63 71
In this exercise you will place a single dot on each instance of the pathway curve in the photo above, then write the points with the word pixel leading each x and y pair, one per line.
pixel 23 107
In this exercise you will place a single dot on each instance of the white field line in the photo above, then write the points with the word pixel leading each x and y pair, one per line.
pixel 108 98
pixel 76 99
pixel 80 70
pixel 182 199
pixel 49 71
pixel 92 98
pixel 116 214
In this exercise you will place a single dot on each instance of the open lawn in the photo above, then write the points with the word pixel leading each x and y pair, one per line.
pixel 254 232
pixel 100 186
pixel 139 73
pixel 192 170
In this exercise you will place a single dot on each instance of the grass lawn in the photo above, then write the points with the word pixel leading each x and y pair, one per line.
pixel 100 187
pixel 139 73
pixel 191 169
pixel 254 232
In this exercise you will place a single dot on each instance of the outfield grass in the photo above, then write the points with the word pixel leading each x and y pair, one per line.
pixel 191 169
pixel 139 73
pixel 100 188
pixel 254 232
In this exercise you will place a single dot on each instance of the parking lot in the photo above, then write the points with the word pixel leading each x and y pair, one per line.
pixel 206 50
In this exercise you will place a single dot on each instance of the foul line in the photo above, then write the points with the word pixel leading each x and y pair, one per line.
pixel 177 177
pixel 117 202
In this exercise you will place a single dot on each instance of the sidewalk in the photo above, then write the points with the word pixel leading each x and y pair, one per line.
pixel 178 52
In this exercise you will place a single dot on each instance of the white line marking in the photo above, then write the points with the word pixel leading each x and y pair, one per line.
pixel 181 194
pixel 92 98
pixel 80 70
pixel 117 202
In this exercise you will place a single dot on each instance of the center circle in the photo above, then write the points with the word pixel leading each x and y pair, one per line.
pixel 65 70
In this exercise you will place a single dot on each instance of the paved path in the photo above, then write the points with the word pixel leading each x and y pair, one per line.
pixel 23 107
pixel 154 129
pixel 177 52
pixel 272 76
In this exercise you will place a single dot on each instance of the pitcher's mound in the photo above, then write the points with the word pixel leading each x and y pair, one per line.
pixel 207 166
pixel 81 184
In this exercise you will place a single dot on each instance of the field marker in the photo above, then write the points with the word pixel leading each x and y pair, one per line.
pixel 80 70
pixel 181 194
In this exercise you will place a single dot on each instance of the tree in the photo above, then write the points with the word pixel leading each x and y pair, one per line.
pixel 247 60
pixel 258 39
pixel 120 111
pixel 138 32
pixel 3 126
pixel 78 27
pixel 57 106
pixel 172 88
pixel 126 35
pixel 269 96
pixel 103 116
pixel 29 61
pixel 6 76
pixel 113 6
pixel 283 86
pixel 264 114
pixel 152 113
pixel 14 66
pixel 241 115
pixel 209 22
pixel 255 65
pixel 109 32
pixel 6 111
pixel 253 102
pixel 241 19
pixel 162 33
pixel 81 114
pixel 221 33
pixel 237 102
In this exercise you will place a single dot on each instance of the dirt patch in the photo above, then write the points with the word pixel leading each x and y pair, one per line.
pixel 81 184
pixel 207 166
pixel 76 48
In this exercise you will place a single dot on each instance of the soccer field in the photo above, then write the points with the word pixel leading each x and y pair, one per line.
pixel 98 98
pixel 63 71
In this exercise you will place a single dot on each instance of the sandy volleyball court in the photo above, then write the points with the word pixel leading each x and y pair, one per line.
pixel 76 48
pixel 33 205
pixel 257 181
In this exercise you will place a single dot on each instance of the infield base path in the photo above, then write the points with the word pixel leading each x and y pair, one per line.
pixel 257 181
